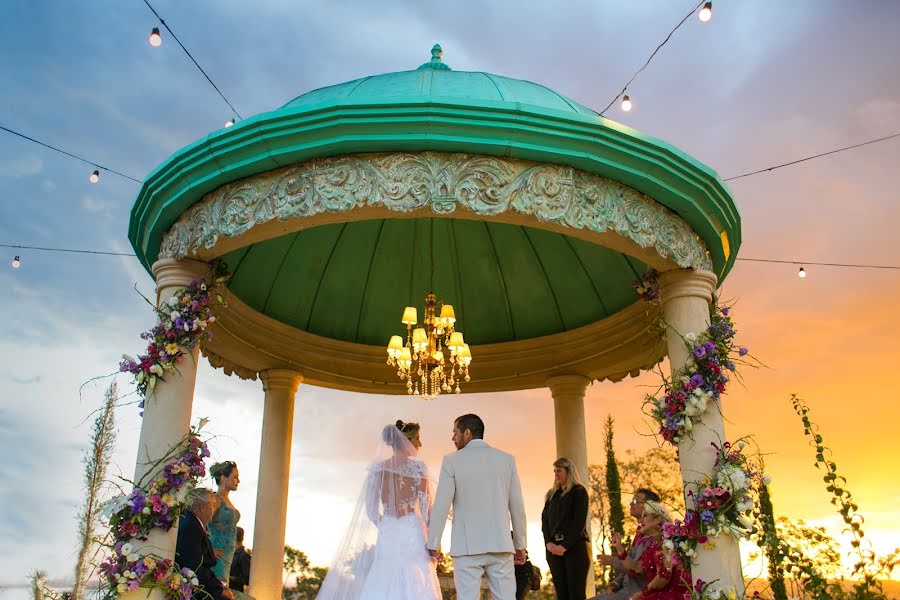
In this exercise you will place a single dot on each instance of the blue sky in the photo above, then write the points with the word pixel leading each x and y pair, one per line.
pixel 762 83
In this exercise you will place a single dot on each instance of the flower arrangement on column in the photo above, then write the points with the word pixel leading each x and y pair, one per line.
pixel 183 323
pixel 154 505
pixel 722 503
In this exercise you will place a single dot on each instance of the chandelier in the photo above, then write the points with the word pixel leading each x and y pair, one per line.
pixel 423 362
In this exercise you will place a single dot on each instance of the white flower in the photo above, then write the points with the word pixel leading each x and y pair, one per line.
pixel 127 548
pixel 132 558
pixel 120 588
pixel 203 286
pixel 741 444
pixel 146 510
pixel 156 369
pixel 175 315
pixel 690 338
pixel 111 507
pixel 173 301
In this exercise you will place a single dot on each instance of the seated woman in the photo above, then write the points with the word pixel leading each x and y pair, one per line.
pixel 666 581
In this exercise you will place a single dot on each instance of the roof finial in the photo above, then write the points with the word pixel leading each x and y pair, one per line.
pixel 435 62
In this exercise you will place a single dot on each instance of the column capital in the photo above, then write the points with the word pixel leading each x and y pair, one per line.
pixel 687 283
pixel 175 273
pixel 568 384
pixel 281 379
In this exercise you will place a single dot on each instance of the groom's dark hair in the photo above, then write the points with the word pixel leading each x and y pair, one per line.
pixel 473 423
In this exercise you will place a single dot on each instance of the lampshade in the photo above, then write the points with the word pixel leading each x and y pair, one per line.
pixel 465 355
pixel 419 339
pixel 448 317
pixel 456 341
pixel 405 360
pixel 395 346
pixel 410 315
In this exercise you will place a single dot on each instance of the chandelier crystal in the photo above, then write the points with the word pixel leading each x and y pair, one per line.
pixel 423 362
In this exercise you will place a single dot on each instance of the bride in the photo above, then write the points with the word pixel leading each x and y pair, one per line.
pixel 382 555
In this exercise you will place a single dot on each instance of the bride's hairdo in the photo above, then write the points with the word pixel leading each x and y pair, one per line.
pixel 409 430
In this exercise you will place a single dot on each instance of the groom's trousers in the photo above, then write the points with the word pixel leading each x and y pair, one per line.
pixel 496 566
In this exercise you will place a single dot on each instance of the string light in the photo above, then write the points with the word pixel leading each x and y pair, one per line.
pixel 229 123
pixel 705 13
pixel 636 73
pixel 189 55
pixel 155 39
pixel 626 103
pixel 16 262
pixel 802 273
pixel 95 177
pixel 69 154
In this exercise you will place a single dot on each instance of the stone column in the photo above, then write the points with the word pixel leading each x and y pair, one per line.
pixel 167 412
pixel 280 386
pixel 571 438
pixel 686 297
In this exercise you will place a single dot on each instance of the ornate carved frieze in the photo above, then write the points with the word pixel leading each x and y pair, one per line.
pixel 484 185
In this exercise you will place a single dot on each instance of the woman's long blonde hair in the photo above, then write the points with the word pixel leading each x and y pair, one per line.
pixel 572 477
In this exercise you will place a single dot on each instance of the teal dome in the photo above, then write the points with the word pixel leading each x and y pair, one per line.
pixel 435 108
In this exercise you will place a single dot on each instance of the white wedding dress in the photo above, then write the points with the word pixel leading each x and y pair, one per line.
pixel 383 555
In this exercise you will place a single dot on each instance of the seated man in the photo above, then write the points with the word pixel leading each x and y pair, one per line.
pixel 628 578
pixel 240 564
pixel 193 549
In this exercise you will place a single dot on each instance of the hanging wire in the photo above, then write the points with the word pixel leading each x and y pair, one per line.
pixel 830 152
pixel 819 264
pixel 175 37
pixel 75 156
pixel 68 250
pixel 636 73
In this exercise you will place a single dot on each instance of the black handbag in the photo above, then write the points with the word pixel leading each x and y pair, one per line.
pixel 535 578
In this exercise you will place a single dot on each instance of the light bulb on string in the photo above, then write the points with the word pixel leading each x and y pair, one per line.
pixel 705 13
pixel 16 262
pixel 94 177
pixel 802 273
pixel 155 39
pixel 229 123
pixel 626 103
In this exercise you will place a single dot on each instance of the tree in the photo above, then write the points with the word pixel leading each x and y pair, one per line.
pixel 96 462
pixel 657 469
pixel 308 579
pixel 613 484
pixel 776 567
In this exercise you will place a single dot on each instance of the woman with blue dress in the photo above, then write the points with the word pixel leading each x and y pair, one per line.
pixel 223 526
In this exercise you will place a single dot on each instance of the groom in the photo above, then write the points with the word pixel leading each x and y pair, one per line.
pixel 482 485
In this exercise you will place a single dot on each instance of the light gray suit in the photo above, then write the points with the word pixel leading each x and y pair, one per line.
pixel 482 485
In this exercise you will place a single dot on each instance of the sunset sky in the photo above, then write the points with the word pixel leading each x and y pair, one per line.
pixel 763 83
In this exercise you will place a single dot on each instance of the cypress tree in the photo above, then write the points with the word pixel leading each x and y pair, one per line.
pixel 613 484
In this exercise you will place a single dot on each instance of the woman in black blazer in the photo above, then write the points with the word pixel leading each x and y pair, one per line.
pixel 564 523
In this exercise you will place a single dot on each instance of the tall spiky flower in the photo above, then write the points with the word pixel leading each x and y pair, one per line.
pixel 613 483
pixel 96 462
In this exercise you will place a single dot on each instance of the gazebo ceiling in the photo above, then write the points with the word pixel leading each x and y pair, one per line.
pixel 350 281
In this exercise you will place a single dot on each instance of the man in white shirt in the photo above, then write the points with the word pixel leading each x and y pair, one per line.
pixel 482 485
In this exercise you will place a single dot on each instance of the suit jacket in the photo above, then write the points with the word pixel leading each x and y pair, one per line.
pixel 194 551
pixel 566 515
pixel 482 485
pixel 239 578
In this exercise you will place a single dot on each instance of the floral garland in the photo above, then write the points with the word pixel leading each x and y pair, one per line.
pixel 158 506
pixel 183 323
pixel 723 504
pixel 705 375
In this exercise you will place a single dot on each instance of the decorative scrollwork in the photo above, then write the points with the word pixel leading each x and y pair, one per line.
pixel 404 182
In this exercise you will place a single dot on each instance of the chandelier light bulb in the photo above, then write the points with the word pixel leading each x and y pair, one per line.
pixel 155 39
pixel 802 273
pixel 16 263
pixel 706 12
pixel 626 103
pixel 95 177
pixel 229 123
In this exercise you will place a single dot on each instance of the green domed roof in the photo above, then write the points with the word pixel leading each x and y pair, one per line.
pixel 438 109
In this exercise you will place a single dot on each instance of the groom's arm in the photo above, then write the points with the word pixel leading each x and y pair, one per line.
pixel 517 509
pixel 443 499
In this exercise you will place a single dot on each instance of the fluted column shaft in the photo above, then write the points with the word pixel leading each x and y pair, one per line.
pixel 167 412
pixel 686 297
pixel 571 437
pixel 280 386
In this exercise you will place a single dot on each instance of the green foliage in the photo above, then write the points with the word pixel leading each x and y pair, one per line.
pixel 308 579
pixel 868 568
pixel 613 484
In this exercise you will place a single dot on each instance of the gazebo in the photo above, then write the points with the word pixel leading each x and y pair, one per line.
pixel 528 212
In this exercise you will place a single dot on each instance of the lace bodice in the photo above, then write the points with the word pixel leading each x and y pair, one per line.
pixel 398 488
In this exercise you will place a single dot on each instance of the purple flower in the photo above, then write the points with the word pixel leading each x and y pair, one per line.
pixel 743 351
pixel 707 516
pixel 725 310
pixel 699 351
pixel 697 380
